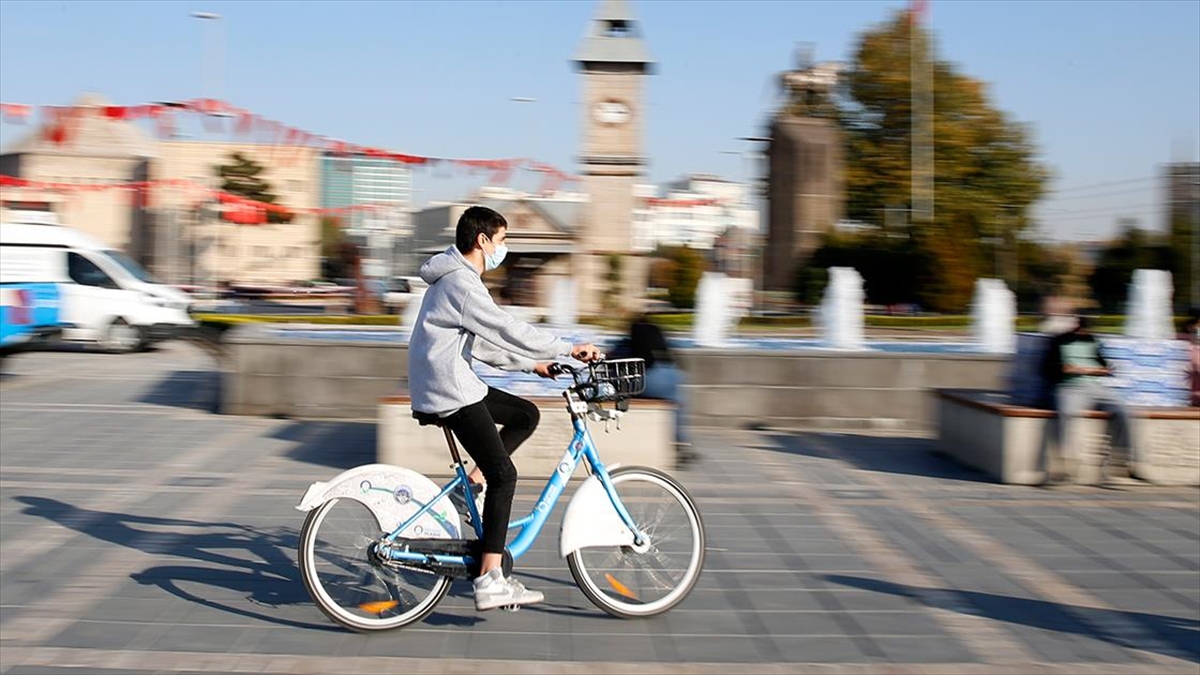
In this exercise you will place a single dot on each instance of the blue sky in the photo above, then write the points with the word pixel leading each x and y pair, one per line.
pixel 1112 89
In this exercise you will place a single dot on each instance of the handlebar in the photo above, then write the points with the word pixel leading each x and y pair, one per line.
pixel 558 368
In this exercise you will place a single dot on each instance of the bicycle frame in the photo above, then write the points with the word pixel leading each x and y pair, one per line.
pixel 582 446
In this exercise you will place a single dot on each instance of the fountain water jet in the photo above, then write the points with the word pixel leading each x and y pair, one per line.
pixel 564 312
pixel 840 316
pixel 1148 309
pixel 721 302
pixel 994 317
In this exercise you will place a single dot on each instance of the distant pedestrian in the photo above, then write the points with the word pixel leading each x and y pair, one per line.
pixel 1074 364
pixel 664 378
pixel 1190 333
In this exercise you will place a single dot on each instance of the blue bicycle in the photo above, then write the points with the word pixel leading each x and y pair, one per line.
pixel 382 544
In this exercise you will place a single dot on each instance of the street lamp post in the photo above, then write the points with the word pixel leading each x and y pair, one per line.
pixel 529 127
pixel 210 50
pixel 760 185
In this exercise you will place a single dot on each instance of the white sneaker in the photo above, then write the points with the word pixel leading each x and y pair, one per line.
pixel 494 590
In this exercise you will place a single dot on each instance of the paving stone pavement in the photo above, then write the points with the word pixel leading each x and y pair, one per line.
pixel 140 532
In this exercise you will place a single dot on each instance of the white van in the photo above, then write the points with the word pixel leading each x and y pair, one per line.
pixel 106 297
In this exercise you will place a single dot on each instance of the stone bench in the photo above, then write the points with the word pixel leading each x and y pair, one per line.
pixel 984 430
pixel 646 438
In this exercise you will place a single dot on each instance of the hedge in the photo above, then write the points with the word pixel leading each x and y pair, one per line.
pixel 674 321
pixel 336 319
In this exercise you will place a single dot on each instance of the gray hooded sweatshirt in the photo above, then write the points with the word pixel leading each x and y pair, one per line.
pixel 459 322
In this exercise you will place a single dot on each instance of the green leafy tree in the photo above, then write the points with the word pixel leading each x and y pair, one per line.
pixel 612 296
pixel 987 176
pixel 338 254
pixel 688 267
pixel 1134 249
pixel 1043 272
pixel 241 177
pixel 1184 242
pixel 810 283
pixel 886 263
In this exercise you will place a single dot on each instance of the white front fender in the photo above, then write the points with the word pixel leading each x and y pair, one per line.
pixel 393 494
pixel 592 520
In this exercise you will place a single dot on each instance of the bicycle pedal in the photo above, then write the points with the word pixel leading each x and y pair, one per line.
pixel 511 608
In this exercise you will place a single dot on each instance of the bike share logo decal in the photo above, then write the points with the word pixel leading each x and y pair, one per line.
pixel 566 465
pixel 403 494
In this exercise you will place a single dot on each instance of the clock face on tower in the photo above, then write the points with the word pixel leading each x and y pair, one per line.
pixel 612 111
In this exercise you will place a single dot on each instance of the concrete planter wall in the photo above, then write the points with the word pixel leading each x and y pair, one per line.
pixel 266 371
pixel 829 388
pixel 296 373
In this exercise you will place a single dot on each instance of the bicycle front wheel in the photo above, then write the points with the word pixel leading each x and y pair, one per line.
pixel 628 581
pixel 348 584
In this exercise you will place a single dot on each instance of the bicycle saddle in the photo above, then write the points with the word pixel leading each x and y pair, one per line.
pixel 426 419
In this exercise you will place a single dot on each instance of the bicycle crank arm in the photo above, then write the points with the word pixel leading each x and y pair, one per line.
pixel 436 556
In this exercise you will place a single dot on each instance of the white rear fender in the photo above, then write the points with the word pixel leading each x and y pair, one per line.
pixel 592 520
pixel 393 494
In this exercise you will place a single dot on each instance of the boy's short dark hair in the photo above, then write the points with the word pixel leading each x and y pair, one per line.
pixel 473 222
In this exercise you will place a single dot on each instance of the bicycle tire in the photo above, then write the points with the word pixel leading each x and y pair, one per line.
pixel 331 559
pixel 623 581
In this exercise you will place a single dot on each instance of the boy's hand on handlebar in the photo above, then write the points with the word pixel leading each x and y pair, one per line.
pixel 585 351
pixel 546 370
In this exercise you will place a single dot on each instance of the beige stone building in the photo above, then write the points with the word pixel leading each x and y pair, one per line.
pixel 175 232
pixel 207 249
pixel 92 150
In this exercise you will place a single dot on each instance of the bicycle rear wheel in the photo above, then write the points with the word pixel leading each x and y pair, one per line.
pixel 349 585
pixel 628 581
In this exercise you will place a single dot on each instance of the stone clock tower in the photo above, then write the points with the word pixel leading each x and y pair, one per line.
pixel 613 61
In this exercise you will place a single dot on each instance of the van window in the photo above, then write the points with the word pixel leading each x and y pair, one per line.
pixel 86 273
pixel 132 267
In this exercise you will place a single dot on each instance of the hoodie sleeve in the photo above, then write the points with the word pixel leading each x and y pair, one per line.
pixel 499 358
pixel 486 320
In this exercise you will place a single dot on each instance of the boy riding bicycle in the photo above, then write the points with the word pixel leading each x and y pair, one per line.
pixel 459 322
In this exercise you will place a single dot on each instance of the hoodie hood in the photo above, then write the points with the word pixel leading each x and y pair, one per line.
pixel 458 323
pixel 444 263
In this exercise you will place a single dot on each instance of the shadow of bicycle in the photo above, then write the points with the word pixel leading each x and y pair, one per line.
pixel 255 563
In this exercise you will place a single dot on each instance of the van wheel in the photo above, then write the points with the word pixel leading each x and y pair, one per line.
pixel 122 338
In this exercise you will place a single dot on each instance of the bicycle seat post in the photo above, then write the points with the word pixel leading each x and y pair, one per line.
pixel 453 446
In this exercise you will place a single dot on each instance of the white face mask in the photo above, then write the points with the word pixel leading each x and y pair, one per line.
pixel 494 259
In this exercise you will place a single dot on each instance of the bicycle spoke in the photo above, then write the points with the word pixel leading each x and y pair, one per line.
pixel 626 582
pixel 348 584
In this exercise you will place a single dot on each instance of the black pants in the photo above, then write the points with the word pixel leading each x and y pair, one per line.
pixel 475 427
